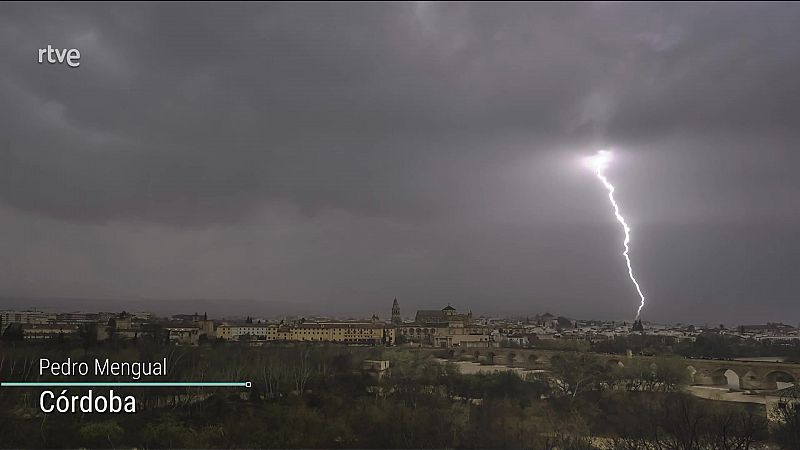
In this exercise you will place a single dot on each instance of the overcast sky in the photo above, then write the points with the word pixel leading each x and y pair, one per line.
pixel 339 156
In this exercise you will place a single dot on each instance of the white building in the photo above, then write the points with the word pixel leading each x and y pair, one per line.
pixel 8 317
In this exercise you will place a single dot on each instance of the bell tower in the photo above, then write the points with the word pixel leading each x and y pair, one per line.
pixel 396 319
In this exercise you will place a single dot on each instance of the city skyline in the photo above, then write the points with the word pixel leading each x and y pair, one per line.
pixel 239 310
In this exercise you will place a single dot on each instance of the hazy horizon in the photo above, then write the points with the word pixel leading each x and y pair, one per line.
pixel 222 308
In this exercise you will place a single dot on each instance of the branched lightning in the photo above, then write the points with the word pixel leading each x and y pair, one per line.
pixel 599 163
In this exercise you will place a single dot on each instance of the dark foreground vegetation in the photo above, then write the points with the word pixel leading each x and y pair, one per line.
pixel 320 396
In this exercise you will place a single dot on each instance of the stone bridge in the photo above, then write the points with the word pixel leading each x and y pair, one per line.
pixel 744 375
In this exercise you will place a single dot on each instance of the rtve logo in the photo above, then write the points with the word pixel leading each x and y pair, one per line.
pixel 71 56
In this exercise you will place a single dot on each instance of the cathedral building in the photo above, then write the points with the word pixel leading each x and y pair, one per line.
pixel 442 328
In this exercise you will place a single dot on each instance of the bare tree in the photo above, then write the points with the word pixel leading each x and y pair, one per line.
pixel 302 370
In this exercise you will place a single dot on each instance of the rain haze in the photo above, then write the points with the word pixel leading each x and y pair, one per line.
pixel 294 158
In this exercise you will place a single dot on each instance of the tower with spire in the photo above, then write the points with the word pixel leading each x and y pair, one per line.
pixel 396 319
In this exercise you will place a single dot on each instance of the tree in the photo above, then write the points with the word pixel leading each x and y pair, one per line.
pixel 787 433
pixel 577 373
pixel 681 422
pixel 670 374
pixel 105 434
pixel 301 370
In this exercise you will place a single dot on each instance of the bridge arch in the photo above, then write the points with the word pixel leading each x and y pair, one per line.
pixel 724 376
pixel 511 358
pixel 751 380
pixel 779 379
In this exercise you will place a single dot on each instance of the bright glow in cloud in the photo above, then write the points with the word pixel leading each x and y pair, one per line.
pixel 599 163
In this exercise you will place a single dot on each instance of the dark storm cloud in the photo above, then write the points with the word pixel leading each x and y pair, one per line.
pixel 216 149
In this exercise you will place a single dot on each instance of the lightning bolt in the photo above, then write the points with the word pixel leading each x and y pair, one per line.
pixel 599 163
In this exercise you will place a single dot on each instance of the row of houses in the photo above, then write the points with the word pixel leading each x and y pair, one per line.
pixel 440 328
pixel 346 332
pixel 37 317
pixel 201 328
